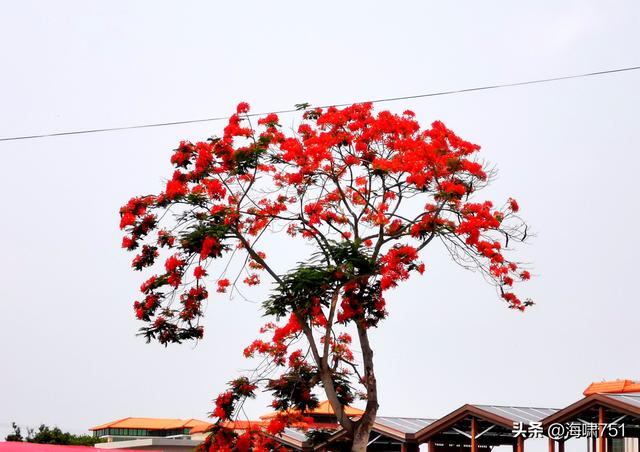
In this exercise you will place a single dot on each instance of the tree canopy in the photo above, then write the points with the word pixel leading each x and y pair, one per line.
pixel 369 192
pixel 50 435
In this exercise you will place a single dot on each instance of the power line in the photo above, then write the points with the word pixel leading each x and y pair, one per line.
pixel 388 99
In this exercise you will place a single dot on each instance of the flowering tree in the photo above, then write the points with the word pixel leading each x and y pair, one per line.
pixel 368 191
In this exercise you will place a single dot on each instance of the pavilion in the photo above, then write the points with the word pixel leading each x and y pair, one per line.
pixel 474 427
pixel 610 422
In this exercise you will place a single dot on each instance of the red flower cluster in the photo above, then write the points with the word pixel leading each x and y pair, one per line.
pixel 222 285
pixel 396 265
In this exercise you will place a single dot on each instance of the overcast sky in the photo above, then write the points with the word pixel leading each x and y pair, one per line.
pixel 567 151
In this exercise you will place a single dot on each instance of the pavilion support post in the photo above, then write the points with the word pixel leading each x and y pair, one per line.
pixel 602 445
pixel 431 446
pixel 561 446
pixel 520 444
pixel 552 445
pixel 474 433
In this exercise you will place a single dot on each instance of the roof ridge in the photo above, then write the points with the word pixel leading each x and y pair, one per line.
pixel 515 406
pixel 153 423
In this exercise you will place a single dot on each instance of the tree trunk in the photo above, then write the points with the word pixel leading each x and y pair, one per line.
pixel 363 426
pixel 360 440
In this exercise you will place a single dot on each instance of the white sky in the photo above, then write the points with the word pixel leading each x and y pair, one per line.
pixel 566 151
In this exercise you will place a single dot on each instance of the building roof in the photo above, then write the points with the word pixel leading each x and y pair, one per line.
pixel 586 409
pixel 406 425
pixel 148 423
pixel 233 425
pixel 296 434
pixel 323 408
pixel 632 399
pixel 394 428
pixel 293 438
pixel 526 415
pixel 615 386
pixel 34 447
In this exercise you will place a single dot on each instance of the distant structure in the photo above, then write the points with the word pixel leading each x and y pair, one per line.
pixel 144 427
pixel 142 433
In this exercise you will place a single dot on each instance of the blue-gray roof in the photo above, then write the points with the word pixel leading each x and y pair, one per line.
pixel 630 398
pixel 296 434
pixel 404 424
pixel 526 415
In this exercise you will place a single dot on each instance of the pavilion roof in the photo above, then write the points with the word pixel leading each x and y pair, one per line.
pixel 233 425
pixel 585 410
pixel 323 408
pixel 404 425
pixel 149 423
pixel 632 399
pixel 525 415
pixel 293 437
pixel 396 428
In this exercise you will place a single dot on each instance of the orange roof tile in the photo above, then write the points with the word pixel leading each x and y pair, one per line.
pixel 200 428
pixel 148 423
pixel 234 425
pixel 323 408
pixel 612 387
